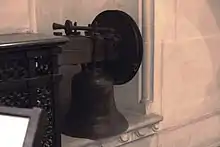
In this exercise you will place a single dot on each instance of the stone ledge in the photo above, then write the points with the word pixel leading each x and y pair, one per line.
pixel 140 126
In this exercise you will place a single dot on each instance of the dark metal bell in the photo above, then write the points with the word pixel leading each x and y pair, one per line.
pixel 93 113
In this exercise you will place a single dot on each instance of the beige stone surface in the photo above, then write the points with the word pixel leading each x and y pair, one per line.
pixel 197 18
pixel 187 71
pixel 165 20
pixel 200 133
pixel 187 67
pixel 14 16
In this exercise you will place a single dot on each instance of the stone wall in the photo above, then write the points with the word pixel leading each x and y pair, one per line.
pixel 14 16
pixel 187 65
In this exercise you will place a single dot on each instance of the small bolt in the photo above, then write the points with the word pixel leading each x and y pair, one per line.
pixel 124 138
pixel 155 127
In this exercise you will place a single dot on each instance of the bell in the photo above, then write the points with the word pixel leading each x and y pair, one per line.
pixel 93 113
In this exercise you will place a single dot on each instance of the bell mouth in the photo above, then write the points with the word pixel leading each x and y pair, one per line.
pixel 108 126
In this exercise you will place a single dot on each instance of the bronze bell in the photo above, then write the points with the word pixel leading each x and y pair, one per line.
pixel 93 112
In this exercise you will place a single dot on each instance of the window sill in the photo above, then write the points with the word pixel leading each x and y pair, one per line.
pixel 139 127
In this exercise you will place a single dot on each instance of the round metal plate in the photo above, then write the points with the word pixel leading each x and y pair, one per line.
pixel 130 47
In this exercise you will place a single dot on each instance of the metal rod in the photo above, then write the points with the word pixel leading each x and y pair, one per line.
pixel 84 28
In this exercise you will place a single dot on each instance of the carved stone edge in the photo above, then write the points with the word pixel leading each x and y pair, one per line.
pixel 137 132
pixel 144 131
pixel 135 135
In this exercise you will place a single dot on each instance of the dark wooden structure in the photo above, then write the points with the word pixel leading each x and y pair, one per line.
pixel 29 77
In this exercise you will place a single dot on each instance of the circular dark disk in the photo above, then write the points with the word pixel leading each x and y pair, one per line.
pixel 129 48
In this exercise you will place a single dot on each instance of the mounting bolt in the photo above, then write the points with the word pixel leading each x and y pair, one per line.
pixel 140 133
pixel 124 138
pixel 155 127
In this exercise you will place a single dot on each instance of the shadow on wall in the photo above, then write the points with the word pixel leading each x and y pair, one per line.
pixel 213 44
